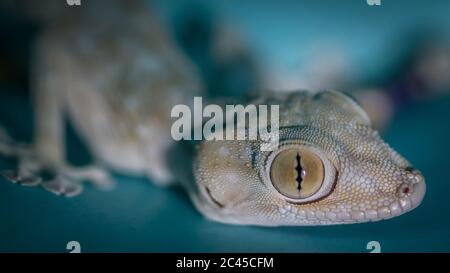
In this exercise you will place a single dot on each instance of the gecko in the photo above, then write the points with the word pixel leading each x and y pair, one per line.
pixel 116 74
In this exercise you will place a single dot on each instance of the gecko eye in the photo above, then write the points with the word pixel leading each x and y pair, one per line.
pixel 300 174
pixel 297 173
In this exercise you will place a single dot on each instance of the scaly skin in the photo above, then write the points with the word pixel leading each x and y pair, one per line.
pixel 365 179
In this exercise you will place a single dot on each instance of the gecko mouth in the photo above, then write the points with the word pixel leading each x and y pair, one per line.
pixel 212 199
pixel 409 197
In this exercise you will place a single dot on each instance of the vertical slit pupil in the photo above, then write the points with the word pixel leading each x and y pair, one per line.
pixel 299 170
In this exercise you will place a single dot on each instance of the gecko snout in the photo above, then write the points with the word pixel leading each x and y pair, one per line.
pixel 412 192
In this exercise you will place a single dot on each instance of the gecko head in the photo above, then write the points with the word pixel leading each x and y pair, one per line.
pixel 330 167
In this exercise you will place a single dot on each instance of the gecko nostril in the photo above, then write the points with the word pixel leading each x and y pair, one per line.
pixel 405 189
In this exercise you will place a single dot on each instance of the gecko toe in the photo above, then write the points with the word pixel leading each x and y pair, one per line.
pixel 24 180
pixel 63 186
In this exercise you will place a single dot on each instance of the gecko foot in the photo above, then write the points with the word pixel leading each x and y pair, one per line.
pixel 65 181
pixel 65 186
pixel 58 179
pixel 61 179
pixel 59 184
pixel 24 180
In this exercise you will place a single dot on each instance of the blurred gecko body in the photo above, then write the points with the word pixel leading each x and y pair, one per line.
pixel 114 74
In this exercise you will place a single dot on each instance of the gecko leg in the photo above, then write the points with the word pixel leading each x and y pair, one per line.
pixel 44 162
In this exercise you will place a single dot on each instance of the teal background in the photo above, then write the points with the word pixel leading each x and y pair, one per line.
pixel 140 217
